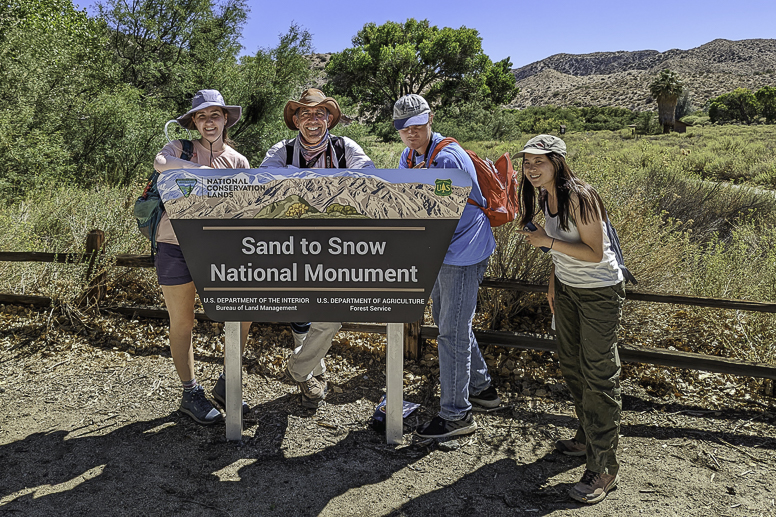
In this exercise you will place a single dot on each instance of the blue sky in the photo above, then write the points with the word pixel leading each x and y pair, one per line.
pixel 524 31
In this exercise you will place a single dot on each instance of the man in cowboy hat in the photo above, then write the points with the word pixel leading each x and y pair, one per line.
pixel 313 148
pixel 314 115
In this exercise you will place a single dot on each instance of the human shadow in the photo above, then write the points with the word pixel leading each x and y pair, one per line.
pixel 504 487
pixel 634 403
pixel 170 465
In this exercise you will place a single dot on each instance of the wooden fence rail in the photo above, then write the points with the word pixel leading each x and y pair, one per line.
pixel 719 303
pixel 415 332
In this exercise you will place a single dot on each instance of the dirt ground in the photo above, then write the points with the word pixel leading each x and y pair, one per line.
pixel 89 427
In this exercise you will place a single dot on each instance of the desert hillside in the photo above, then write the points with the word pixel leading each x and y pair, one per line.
pixel 622 78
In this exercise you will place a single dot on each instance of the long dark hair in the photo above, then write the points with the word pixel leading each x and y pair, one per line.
pixel 591 207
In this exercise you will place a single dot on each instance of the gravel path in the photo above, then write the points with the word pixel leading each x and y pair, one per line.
pixel 90 428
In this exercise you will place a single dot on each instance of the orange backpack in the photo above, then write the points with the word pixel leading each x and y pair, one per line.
pixel 498 183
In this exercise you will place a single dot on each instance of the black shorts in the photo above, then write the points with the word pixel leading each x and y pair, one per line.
pixel 171 268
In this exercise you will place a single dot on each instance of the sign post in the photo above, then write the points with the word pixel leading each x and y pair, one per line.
pixel 233 373
pixel 394 380
pixel 291 245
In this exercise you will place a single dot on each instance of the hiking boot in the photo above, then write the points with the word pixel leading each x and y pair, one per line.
pixel 487 399
pixel 322 381
pixel 219 394
pixel 571 447
pixel 438 427
pixel 197 406
pixel 593 487
pixel 313 391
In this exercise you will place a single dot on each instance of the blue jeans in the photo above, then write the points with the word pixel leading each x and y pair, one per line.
pixel 462 369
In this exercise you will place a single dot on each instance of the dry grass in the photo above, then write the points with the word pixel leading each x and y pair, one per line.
pixel 680 234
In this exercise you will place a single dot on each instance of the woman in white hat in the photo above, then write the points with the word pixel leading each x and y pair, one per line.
pixel 211 117
pixel 586 294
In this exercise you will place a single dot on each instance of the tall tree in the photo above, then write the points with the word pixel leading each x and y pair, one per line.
pixel 53 88
pixel 766 97
pixel 263 85
pixel 394 59
pixel 169 48
pixel 666 89
pixel 740 104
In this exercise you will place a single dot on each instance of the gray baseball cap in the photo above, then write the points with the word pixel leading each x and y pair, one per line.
pixel 410 110
pixel 544 144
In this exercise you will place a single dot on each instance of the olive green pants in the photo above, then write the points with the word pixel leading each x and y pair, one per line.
pixel 586 322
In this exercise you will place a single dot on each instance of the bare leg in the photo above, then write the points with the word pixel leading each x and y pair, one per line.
pixel 180 306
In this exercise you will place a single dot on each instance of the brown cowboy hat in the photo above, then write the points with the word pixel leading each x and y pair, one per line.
pixel 311 97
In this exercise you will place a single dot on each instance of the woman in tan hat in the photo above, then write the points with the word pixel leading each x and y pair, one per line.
pixel 211 117
pixel 586 294
pixel 313 115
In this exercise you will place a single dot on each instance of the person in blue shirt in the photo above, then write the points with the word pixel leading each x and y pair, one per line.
pixel 463 373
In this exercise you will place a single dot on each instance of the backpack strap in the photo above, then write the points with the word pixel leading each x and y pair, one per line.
pixel 188 149
pixel 338 144
pixel 289 153
pixel 441 145
pixel 614 244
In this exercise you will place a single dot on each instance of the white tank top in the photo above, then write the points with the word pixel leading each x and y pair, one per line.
pixel 579 273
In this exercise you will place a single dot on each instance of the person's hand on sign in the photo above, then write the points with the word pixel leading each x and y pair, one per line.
pixel 421 165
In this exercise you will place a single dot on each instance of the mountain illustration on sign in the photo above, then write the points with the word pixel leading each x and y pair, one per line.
pixel 296 207
pixel 258 196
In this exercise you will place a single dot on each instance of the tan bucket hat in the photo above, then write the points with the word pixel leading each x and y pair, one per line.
pixel 311 97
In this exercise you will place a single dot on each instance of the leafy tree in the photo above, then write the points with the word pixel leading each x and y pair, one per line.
pixel 262 86
pixel 766 97
pixel 684 105
pixel 666 89
pixel 171 48
pixel 740 105
pixel 391 60
pixel 52 68
pixel 77 110
pixel 469 121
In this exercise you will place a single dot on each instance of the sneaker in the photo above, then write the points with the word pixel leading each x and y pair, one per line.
pixel 219 394
pixel 593 487
pixel 571 447
pixel 487 399
pixel 438 427
pixel 197 406
pixel 313 392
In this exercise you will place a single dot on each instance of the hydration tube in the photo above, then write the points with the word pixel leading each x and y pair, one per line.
pixel 173 121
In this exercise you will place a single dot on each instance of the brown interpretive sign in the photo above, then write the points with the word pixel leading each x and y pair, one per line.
pixel 314 245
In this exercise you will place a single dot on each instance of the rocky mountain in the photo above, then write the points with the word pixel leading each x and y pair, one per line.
pixel 622 78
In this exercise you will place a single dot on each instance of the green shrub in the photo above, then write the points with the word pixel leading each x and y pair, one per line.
pixel 681 232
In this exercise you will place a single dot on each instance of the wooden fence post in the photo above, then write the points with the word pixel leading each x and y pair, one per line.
pixel 412 340
pixel 95 248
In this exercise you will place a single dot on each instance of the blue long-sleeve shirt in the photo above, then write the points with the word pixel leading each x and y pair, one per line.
pixel 473 239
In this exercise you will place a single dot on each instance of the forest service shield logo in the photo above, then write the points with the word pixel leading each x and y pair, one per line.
pixel 443 187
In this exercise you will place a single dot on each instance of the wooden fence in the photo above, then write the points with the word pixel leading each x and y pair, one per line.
pixel 415 333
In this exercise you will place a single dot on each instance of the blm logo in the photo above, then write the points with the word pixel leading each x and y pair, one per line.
pixel 186 185
pixel 443 187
